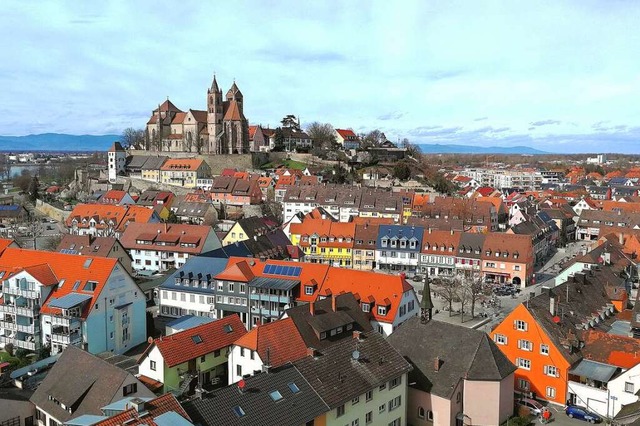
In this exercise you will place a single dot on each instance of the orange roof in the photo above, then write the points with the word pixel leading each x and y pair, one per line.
pixel 325 228
pixel 112 197
pixel 183 235
pixel 233 112
pixel 346 133
pixel 179 118
pixel 286 180
pixel 264 182
pixel 185 345
pixel 621 351
pixel 609 205
pixel 614 174
pixel 152 409
pixel 280 338
pixel 4 243
pixel 372 220
pixel 634 174
pixel 252 131
pixel 182 164
pixel 53 266
pixel 236 271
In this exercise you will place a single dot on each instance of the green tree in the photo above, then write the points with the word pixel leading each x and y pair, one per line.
pixel 33 190
pixel 172 218
pixel 43 352
pixel 402 170
pixel 279 140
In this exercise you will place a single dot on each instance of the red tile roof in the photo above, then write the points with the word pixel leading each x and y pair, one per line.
pixel 159 231
pixel 612 349
pixel 281 338
pixel 51 266
pixel 233 112
pixel 152 409
pixel 181 347
pixel 346 133
pixel 112 197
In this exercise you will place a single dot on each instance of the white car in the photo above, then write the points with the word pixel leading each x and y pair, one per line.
pixel 535 408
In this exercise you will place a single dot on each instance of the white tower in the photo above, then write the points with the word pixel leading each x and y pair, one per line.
pixel 116 161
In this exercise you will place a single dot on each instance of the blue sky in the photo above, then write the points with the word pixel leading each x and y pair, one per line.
pixel 557 75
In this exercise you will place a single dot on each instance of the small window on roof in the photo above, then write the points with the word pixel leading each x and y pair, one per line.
pixel 238 411
pixel 228 328
pixel 196 339
pixel 89 286
pixel 275 395
pixel 61 283
pixel 293 387
pixel 87 263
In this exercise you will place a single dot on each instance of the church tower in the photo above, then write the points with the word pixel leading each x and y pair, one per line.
pixel 214 116
pixel 235 124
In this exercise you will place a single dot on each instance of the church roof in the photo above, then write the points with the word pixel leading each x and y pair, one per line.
pixel 233 112
pixel 234 91
pixel 168 106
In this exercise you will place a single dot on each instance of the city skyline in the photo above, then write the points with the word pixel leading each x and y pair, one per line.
pixel 557 76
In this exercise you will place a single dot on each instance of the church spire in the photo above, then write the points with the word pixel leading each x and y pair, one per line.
pixel 426 305
pixel 214 84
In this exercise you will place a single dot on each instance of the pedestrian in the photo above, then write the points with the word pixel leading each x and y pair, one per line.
pixel 545 416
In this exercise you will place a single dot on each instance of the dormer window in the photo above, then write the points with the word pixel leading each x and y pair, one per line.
pixel 308 290
pixel 384 242
pixel 488 252
pixel 412 244
pixel 403 244
pixel 393 243
pixel 382 310
pixel 497 254
pixel 505 254
pixel 366 307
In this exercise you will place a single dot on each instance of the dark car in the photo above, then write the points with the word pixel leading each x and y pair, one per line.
pixel 581 413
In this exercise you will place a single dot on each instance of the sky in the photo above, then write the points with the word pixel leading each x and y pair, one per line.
pixel 559 76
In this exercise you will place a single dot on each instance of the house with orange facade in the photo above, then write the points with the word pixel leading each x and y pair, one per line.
pixel 544 337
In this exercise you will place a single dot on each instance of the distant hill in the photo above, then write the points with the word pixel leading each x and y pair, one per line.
pixel 57 142
pixel 466 149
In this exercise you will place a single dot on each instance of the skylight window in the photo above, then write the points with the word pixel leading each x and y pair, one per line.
pixel 293 387
pixel 228 328
pixel 87 263
pixel 238 411
pixel 76 285
pixel 90 286
pixel 275 395
pixel 196 339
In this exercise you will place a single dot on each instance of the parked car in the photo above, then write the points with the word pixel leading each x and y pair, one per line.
pixel 535 408
pixel 581 413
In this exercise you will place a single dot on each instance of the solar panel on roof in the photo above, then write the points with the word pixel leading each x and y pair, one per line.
pixel 285 270
pixel 297 270
pixel 278 270
pixel 267 269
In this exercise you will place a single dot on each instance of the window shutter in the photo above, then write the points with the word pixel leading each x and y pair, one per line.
pixel 557 372
pixel 546 369
pixel 515 324
pixel 519 344
pixel 526 326
pixel 505 339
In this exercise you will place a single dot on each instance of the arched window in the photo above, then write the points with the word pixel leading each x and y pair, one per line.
pixel 430 415
pixel 420 412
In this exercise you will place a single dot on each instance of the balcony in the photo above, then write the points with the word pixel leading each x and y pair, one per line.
pixel 29 294
pixel 265 312
pixel 65 321
pixel 26 312
pixel 66 338
pixel 271 298
pixel 18 343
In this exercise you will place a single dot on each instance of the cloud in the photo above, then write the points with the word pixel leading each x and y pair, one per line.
pixel 395 115
pixel 544 123
pixel 480 119
pixel 288 55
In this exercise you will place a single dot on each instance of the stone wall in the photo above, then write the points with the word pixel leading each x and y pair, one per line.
pixel 216 162
pixel 51 211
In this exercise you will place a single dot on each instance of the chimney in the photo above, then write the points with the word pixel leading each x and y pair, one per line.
pixel 312 309
pixel 137 404
pixel 621 239
pixel 356 334
pixel 312 352
pixel 334 303
pixel 437 363
pixel 552 303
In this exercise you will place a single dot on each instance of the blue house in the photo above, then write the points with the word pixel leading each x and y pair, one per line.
pixel 398 248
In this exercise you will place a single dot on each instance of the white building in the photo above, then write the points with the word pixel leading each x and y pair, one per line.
pixel 117 161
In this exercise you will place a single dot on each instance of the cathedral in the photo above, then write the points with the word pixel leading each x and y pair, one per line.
pixel 221 129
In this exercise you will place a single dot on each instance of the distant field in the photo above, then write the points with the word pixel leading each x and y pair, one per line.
pixel 289 164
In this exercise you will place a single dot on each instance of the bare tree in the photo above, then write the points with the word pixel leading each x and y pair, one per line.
pixel 446 289
pixel 412 149
pixel 133 138
pixel 5 167
pixel 373 138
pixel 323 135
pixel 478 289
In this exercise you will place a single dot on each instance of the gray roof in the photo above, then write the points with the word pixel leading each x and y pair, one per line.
pixel 462 352
pixel 594 370
pixel 69 300
pixel 81 381
pixel 195 265
pixel 310 326
pixel 217 408
pixel 338 377
pixel 273 283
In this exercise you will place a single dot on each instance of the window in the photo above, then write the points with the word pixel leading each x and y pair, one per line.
pixel 231 288
pixel 429 415
pixel 520 325
pixel 551 370
pixel 394 403
pixel 525 345
pixel 275 395
pixel 252 355
pixel 239 370
pixel 458 397
pixel 551 392
pixel 500 339
pixel 366 307
pixel 355 422
pixel 421 413
pixel 395 382
pixel 238 411
pixel 242 352
pixel 129 389
pixel 523 363
pixel 293 387
pixel 396 422
pixel 628 387
pixel 355 400
pixel 382 310
pixel 544 349
pixel 368 418
pixel 152 365
pixel 382 387
pixel 382 408
pixel 523 384
pixel 340 411
pixel 369 395
pixel 203 358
